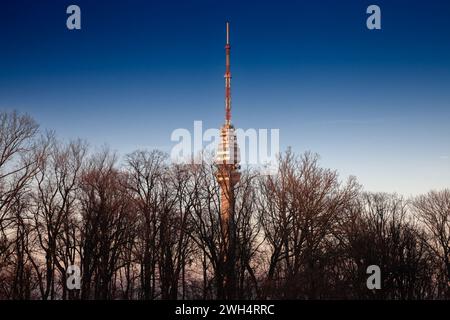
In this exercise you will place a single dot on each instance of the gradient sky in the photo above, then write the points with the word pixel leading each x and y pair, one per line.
pixel 374 104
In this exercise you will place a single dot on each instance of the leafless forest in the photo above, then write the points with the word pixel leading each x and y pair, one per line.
pixel 143 228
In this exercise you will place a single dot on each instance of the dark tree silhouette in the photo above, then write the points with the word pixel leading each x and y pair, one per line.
pixel 146 228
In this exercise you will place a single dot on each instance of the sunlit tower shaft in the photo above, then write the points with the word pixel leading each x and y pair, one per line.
pixel 228 176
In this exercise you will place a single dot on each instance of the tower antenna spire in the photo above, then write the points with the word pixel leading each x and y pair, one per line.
pixel 227 79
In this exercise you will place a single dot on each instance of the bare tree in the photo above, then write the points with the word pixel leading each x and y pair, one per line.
pixel 106 222
pixel 54 213
pixel 145 175
pixel 151 229
pixel 377 230
pixel 18 164
pixel 433 211
pixel 249 238
pixel 206 228
pixel 298 211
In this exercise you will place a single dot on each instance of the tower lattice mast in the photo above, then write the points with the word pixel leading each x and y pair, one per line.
pixel 227 79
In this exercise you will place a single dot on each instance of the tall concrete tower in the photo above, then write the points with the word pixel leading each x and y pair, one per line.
pixel 228 176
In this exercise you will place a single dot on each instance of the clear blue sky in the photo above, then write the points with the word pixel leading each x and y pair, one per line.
pixel 375 104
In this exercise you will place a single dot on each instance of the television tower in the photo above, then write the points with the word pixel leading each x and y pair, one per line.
pixel 228 176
